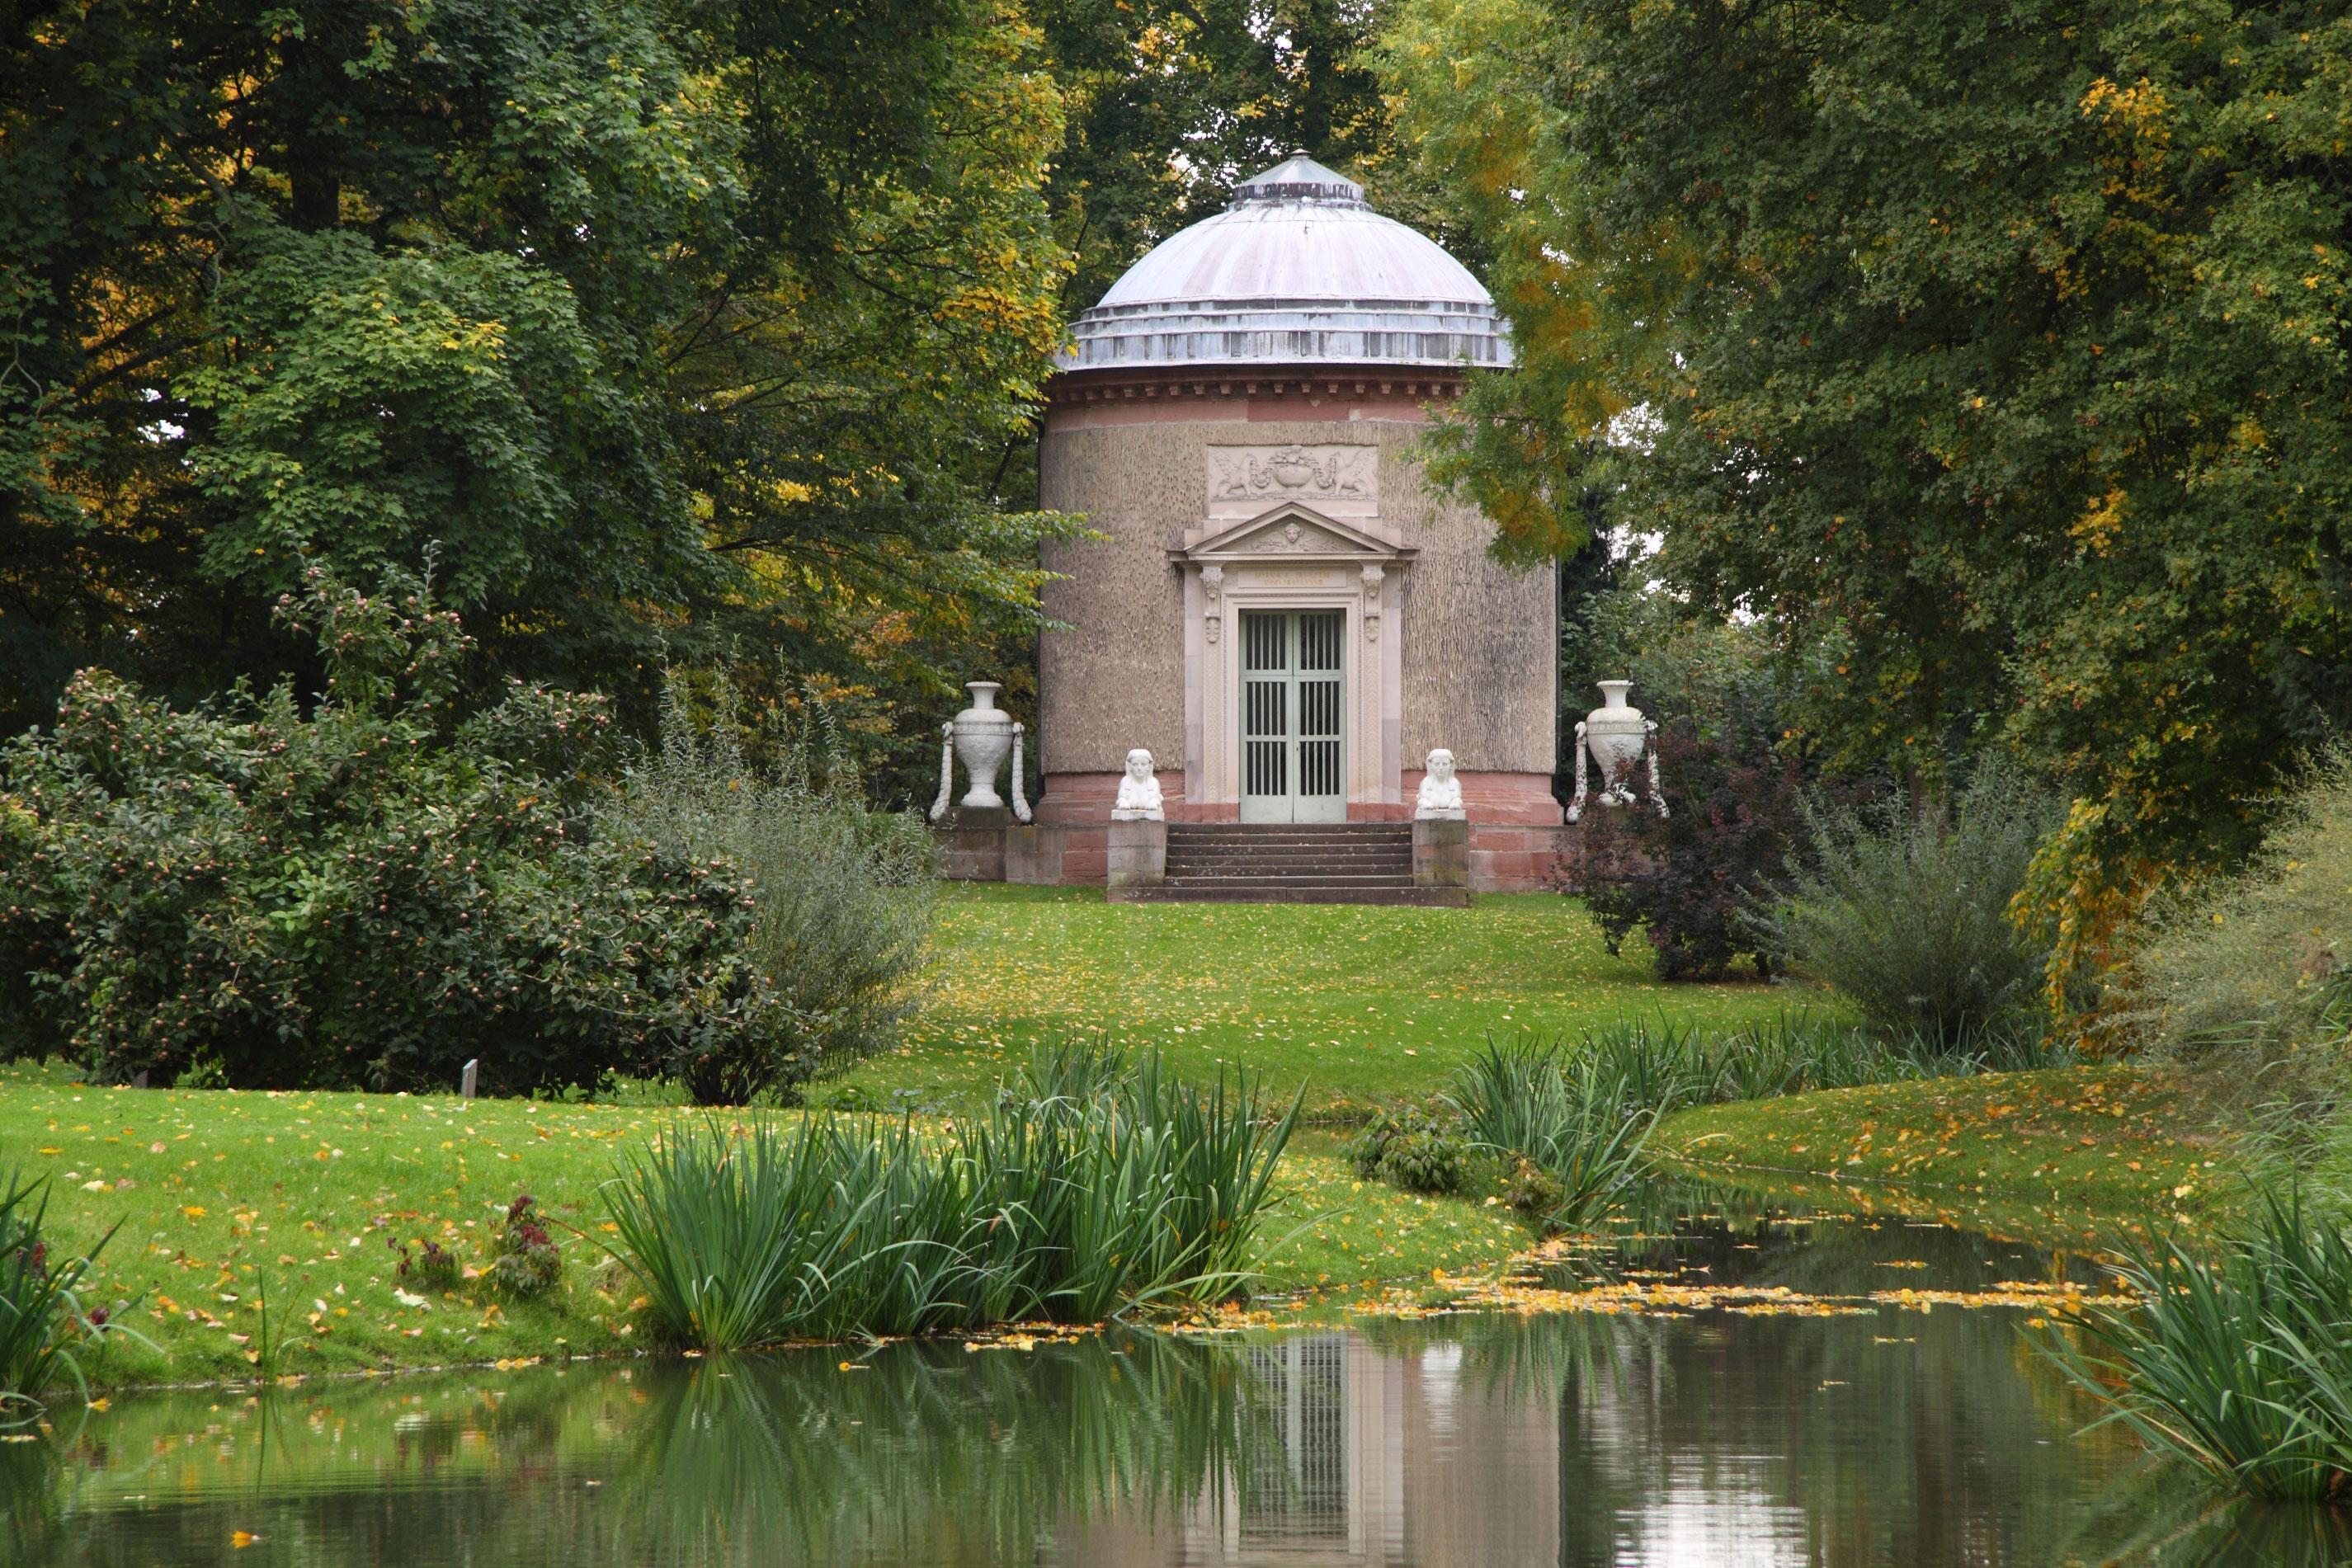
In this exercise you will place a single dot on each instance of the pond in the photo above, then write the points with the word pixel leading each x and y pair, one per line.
pixel 1766 1394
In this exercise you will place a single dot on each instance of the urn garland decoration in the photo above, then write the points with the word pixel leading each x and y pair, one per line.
pixel 1617 737
pixel 984 733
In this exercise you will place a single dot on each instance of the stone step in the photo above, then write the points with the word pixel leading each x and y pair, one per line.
pixel 1292 847
pixel 1263 829
pixel 1350 878
pixel 1290 862
pixel 1292 892
pixel 1322 870
pixel 1289 852
pixel 1247 847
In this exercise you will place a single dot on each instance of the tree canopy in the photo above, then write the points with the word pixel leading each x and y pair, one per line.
pixel 661 328
pixel 1999 347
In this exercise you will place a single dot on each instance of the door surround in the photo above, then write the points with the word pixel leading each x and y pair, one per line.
pixel 1291 556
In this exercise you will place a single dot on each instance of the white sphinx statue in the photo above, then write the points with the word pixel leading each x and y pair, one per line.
pixel 1139 792
pixel 1441 791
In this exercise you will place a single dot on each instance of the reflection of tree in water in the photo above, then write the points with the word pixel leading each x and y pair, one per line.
pixel 1807 1433
pixel 931 1453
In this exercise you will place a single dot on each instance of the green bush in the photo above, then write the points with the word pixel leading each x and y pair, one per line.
pixel 1065 1208
pixel 1908 911
pixel 2258 966
pixel 1532 1192
pixel 2240 1363
pixel 1411 1149
pixel 368 891
pixel 45 1330
pixel 842 894
pixel 1722 693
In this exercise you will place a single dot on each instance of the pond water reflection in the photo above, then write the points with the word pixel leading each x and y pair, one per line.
pixel 1886 1435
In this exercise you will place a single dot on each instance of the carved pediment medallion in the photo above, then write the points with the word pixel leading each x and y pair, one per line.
pixel 1292 530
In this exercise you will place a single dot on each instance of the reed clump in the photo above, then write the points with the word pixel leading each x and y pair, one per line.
pixel 1542 1106
pixel 1067 1206
pixel 2239 1361
pixel 46 1328
pixel 1581 1111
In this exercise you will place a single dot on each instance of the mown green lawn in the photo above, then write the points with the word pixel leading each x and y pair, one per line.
pixel 1356 1003
pixel 2067 1158
pixel 219 1200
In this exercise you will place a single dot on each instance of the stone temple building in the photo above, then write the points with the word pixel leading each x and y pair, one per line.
pixel 1278 606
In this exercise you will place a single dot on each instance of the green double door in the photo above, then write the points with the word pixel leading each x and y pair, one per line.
pixel 1292 715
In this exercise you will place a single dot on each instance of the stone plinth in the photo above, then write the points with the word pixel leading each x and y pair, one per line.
pixel 972 852
pixel 1137 854
pixel 1441 853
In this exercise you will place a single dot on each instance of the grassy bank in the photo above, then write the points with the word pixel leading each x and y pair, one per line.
pixel 223 1199
pixel 2063 1157
pixel 1359 1004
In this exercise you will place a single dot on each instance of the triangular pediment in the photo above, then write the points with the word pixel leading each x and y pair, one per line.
pixel 1291 529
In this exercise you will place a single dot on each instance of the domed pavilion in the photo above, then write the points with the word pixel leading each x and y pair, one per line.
pixel 1278 606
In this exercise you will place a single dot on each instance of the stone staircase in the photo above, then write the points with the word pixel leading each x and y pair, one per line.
pixel 1334 862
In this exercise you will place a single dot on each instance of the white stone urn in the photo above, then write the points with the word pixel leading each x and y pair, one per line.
pixel 983 736
pixel 1618 734
pixel 1616 737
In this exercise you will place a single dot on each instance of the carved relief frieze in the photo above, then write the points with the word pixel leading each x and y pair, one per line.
pixel 1337 479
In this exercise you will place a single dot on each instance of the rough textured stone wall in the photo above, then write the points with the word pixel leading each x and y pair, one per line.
pixel 1115 679
pixel 1481 646
pixel 1479 649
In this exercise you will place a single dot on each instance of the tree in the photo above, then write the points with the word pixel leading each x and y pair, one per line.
pixel 1171 102
pixel 2000 347
pixel 686 332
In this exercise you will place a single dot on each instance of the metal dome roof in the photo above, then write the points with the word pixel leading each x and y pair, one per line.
pixel 1297 270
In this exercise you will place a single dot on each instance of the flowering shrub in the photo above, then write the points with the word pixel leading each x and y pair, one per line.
pixel 1723 702
pixel 523 1257
pixel 1686 880
pixel 368 893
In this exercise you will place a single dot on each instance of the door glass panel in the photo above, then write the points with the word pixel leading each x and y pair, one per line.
pixel 1266 705
pixel 1319 706
pixel 1292 708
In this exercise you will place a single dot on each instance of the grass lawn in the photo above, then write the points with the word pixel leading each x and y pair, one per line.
pixel 221 1197
pixel 2062 1157
pixel 1355 1003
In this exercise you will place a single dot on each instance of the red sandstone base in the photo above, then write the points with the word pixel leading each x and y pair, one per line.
pixel 1518 842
